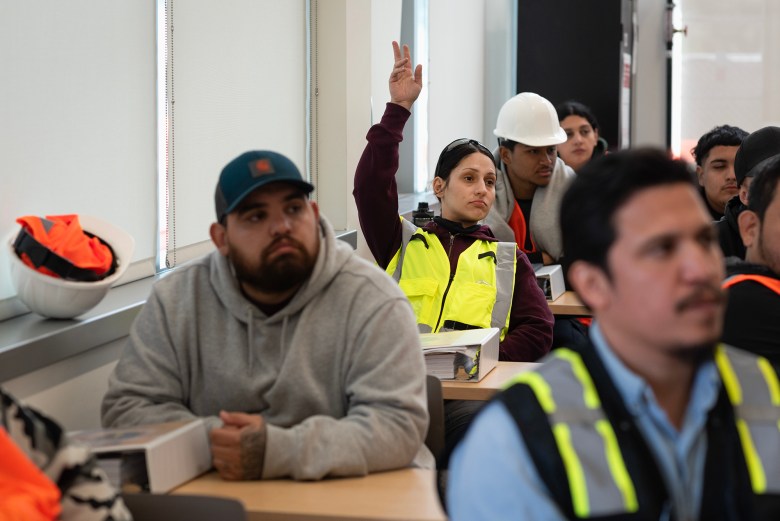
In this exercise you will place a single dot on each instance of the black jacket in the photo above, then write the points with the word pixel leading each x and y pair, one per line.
pixel 728 229
pixel 752 319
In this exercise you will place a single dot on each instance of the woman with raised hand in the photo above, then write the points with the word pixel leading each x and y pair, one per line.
pixel 456 274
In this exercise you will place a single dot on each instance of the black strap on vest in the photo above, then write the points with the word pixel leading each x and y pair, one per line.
pixel 488 254
pixel 420 237
pixel 725 468
pixel 534 426
pixel 40 255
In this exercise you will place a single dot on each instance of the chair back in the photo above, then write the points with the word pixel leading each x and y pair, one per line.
pixel 180 507
pixel 434 440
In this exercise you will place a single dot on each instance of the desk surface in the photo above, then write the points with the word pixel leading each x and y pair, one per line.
pixel 568 304
pixel 488 386
pixel 406 494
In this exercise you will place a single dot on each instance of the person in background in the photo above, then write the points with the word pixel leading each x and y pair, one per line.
pixel 652 419
pixel 455 273
pixel 583 142
pixel 753 312
pixel 755 150
pixel 714 154
pixel 43 477
pixel 531 178
pixel 303 359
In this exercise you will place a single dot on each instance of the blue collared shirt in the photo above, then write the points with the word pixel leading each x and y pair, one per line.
pixel 493 477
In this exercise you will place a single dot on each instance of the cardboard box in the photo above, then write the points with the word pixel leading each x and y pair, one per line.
pixel 450 355
pixel 150 458
pixel 550 279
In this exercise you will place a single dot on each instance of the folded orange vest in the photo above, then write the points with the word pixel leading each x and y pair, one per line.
pixel 26 493
pixel 59 247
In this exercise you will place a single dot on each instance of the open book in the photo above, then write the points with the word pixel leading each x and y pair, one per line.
pixel 460 355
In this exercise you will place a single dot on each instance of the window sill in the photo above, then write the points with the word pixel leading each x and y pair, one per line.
pixel 30 342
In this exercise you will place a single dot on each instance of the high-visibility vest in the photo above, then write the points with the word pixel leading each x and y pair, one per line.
pixel 770 282
pixel 59 247
pixel 477 295
pixel 596 463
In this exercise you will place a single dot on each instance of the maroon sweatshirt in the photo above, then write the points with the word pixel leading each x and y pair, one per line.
pixel 529 336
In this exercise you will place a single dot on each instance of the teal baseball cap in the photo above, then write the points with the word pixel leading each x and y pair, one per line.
pixel 250 171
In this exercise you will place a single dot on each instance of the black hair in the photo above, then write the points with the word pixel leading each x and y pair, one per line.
pixel 723 135
pixel 454 153
pixel 575 108
pixel 762 189
pixel 600 189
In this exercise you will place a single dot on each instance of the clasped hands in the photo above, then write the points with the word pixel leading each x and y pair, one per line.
pixel 238 447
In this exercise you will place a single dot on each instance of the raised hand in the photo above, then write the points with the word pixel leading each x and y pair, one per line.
pixel 405 84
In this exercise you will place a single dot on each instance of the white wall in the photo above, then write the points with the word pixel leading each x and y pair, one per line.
pixel 70 391
pixel 649 95
pixel 457 71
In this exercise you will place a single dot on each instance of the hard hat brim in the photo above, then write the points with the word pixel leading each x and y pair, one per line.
pixel 544 141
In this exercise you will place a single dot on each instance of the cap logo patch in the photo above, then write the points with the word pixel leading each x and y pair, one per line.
pixel 261 167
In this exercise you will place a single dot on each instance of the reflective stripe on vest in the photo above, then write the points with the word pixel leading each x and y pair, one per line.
pixel 769 282
pixel 599 481
pixel 479 294
pixel 754 392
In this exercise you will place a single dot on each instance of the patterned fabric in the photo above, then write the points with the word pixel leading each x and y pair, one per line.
pixel 86 492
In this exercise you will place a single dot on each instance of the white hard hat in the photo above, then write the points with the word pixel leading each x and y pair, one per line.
pixel 59 298
pixel 529 119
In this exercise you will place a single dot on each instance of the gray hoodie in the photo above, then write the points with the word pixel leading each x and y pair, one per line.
pixel 544 220
pixel 337 374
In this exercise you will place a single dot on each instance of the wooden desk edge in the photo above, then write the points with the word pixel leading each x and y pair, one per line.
pixel 568 304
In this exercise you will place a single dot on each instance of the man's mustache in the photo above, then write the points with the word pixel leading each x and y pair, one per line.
pixel 702 293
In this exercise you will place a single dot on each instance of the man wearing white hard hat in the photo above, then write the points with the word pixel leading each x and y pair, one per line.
pixel 531 178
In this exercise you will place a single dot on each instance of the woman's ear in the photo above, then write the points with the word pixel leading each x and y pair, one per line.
pixel 439 185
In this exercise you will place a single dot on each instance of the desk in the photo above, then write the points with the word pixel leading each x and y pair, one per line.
pixel 488 386
pixel 568 304
pixel 406 494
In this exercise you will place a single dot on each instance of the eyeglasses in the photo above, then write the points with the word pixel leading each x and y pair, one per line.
pixel 459 143
pixel 466 141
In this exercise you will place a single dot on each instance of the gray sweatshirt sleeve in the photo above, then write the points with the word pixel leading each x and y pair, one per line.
pixel 149 384
pixel 386 418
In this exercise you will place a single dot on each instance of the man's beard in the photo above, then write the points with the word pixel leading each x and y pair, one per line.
pixel 276 276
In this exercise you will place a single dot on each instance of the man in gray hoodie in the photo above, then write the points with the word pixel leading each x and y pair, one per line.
pixel 303 359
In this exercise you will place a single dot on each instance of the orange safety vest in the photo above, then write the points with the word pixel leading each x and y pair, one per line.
pixel 769 282
pixel 59 247
pixel 26 493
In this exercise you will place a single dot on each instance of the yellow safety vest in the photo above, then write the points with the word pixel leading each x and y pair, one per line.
pixel 479 294
pixel 598 479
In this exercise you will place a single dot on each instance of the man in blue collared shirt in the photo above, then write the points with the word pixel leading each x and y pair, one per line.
pixel 640 422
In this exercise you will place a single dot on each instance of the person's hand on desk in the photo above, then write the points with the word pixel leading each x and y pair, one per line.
pixel 238 447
